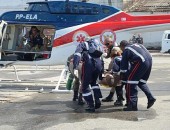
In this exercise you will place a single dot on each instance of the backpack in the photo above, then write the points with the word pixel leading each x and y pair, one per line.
pixel 94 48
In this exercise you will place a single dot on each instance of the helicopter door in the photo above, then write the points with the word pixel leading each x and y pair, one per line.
pixel 3 27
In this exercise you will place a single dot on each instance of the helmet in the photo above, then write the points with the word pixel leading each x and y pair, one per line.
pixel 88 39
pixel 115 50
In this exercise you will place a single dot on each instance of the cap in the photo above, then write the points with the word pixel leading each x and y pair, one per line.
pixel 123 43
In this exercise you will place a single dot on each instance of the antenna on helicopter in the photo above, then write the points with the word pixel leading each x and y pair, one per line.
pixel 84 1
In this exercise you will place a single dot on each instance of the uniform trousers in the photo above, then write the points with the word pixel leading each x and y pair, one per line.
pixel 91 70
pixel 138 76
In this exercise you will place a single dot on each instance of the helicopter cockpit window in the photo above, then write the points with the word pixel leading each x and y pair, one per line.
pixel 88 10
pixel 60 8
pixel 106 10
pixel 75 9
pixel 38 7
pixel 95 10
pixel 67 8
pixel 82 9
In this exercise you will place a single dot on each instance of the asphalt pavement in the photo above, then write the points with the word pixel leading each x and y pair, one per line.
pixel 24 106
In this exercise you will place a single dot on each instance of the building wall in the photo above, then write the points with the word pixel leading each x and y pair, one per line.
pixel 152 39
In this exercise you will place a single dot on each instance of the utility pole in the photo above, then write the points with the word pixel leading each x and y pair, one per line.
pixel 110 2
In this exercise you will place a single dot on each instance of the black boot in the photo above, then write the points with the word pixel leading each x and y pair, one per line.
pixel 118 103
pixel 119 92
pixel 75 96
pixel 90 108
pixel 150 103
pixel 97 103
pixel 130 108
pixel 109 98
pixel 80 99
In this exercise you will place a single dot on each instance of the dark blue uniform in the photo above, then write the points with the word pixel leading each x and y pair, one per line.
pixel 119 87
pixel 91 70
pixel 140 67
pixel 116 64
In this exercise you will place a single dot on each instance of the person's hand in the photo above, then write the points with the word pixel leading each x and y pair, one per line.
pixel 104 55
pixel 75 73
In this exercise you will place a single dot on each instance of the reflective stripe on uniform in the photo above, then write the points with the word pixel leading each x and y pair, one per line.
pixel 123 81
pixel 95 87
pixel 123 71
pixel 77 54
pixel 87 94
pixel 132 82
pixel 134 51
pixel 87 45
pixel 143 81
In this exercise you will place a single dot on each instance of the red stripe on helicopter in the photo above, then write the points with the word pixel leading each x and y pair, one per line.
pixel 118 22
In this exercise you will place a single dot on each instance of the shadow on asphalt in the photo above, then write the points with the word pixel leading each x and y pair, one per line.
pixel 71 111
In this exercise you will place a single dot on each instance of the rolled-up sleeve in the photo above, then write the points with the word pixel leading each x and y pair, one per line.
pixel 77 55
pixel 124 62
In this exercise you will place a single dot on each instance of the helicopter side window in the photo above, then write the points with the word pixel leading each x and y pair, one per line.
pixel 38 7
pixel 106 10
pixel 81 9
pixel 95 10
pixel 48 38
pixel 75 8
pixel 67 8
pixel 88 10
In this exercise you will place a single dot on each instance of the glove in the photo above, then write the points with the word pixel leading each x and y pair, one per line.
pixel 104 54
pixel 75 73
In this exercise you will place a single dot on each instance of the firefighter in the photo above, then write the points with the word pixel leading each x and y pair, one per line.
pixel 139 39
pixel 108 42
pixel 89 53
pixel 75 81
pixel 115 71
pixel 140 62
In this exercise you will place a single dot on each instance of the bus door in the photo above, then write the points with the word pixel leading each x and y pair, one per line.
pixel 3 27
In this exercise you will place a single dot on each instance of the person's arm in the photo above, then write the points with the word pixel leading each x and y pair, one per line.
pixel 124 65
pixel 125 61
pixel 77 55
pixel 40 41
pixel 69 59
pixel 116 65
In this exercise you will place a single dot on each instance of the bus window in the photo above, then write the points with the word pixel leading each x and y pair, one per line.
pixel 168 36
